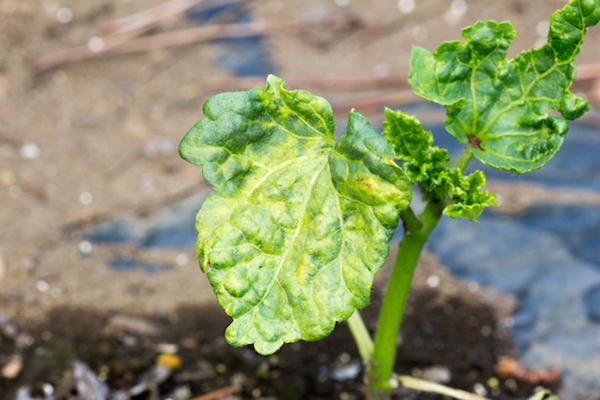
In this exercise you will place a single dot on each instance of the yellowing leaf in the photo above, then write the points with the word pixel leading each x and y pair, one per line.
pixel 297 224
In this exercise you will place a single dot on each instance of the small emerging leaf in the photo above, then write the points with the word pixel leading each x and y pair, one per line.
pixel 430 167
pixel 297 224
pixel 470 199
pixel 498 106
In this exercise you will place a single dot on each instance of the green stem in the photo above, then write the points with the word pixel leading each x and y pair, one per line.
pixel 361 336
pixel 464 158
pixel 384 352
pixel 411 222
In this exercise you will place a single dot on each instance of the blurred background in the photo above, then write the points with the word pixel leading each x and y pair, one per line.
pixel 97 257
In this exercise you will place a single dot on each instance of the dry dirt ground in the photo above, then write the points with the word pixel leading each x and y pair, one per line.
pixel 96 140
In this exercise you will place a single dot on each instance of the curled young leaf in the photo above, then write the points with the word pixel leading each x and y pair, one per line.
pixel 297 224
pixel 430 167
pixel 498 106
pixel 469 199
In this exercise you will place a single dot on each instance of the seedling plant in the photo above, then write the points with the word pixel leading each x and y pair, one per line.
pixel 298 223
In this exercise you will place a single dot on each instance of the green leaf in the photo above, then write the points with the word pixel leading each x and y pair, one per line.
pixel 297 224
pixel 407 135
pixel 498 106
pixel 410 140
pixel 430 167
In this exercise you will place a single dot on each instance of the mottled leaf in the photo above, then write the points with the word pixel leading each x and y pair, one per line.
pixel 411 142
pixel 297 224
pixel 499 106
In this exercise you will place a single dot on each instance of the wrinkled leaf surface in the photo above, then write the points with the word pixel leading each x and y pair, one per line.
pixel 430 167
pixel 501 107
pixel 297 223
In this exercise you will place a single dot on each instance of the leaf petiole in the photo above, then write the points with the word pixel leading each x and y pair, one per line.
pixel 465 157
pixel 361 336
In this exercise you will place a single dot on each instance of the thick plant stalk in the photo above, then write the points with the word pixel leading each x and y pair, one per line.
pixel 416 233
pixel 384 352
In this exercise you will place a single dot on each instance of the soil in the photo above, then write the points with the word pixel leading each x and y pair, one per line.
pixel 96 140
pixel 453 325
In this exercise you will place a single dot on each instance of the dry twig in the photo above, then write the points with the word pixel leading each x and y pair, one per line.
pixel 125 44
pixel 148 19
pixel 123 30
pixel 227 390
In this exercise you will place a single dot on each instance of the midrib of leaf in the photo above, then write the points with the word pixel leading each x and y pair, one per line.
pixel 281 166
pixel 475 114
pixel 292 134
pixel 330 141
pixel 342 228
pixel 291 245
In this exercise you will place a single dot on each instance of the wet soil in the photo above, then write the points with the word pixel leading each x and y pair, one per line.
pixel 457 327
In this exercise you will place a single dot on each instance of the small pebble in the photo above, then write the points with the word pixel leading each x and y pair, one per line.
pixel 30 151
pixel 85 247
pixel 437 374
pixel 96 44
pixel 433 281
pixel 42 286
pixel 86 198
pixel 167 348
pixel 181 393
pixel 406 6
pixel 48 389
pixel 13 367
pixel 479 389
pixel 64 15
pixel 346 372
pixel 181 259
